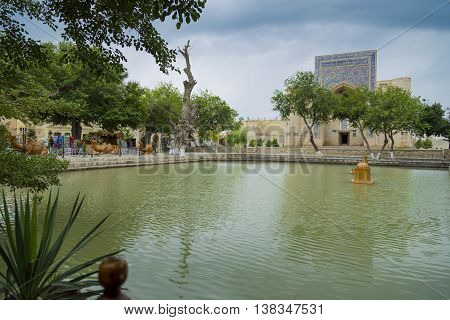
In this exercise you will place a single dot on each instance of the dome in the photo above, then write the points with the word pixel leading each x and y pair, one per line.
pixel 363 165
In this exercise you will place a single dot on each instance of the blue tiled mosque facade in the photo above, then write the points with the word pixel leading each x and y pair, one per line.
pixel 354 69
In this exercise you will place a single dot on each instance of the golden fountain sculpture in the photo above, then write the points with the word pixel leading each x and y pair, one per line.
pixel 362 172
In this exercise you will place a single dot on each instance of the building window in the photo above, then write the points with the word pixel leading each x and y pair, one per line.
pixel 344 124
pixel 369 133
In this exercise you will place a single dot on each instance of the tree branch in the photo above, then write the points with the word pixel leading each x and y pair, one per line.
pixel 185 126
pixel 185 53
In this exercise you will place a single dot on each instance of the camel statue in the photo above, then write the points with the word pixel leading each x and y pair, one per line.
pixel 112 149
pixel 99 148
pixel 90 149
pixel 35 148
pixel 147 149
pixel 31 147
pixel 14 143
pixel 105 148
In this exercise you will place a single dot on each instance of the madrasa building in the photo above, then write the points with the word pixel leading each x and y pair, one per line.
pixel 336 72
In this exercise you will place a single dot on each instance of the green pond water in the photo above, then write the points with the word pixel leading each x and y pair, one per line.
pixel 270 231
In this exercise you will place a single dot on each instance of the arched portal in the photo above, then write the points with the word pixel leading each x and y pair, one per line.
pixel 344 132
pixel 341 87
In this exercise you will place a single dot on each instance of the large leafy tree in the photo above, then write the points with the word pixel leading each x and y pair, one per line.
pixel 432 121
pixel 305 97
pixel 85 97
pixel 214 115
pixel 105 25
pixel 24 93
pixel 129 111
pixel 164 104
pixel 394 110
pixel 68 92
pixel 354 105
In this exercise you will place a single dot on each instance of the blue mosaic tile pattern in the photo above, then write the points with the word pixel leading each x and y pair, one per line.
pixel 356 68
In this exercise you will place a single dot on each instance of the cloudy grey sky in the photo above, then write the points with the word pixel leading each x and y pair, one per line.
pixel 242 50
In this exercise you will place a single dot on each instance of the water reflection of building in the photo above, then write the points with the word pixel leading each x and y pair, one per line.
pixel 336 72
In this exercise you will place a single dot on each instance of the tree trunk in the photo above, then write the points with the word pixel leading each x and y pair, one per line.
pixel 185 127
pixel 391 136
pixel 369 150
pixel 147 135
pixel 76 129
pixel 384 146
pixel 311 138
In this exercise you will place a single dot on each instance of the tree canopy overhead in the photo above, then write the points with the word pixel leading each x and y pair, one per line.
pixel 104 25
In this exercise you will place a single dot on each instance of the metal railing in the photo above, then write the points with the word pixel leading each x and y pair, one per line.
pixel 83 153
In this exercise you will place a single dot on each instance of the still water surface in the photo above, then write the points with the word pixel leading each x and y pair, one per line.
pixel 270 231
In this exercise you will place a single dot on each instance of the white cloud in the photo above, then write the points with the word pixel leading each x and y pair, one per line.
pixel 245 66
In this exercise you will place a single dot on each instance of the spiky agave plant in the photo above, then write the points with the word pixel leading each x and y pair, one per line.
pixel 34 262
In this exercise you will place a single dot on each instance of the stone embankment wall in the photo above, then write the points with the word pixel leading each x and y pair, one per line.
pixel 333 152
pixel 108 161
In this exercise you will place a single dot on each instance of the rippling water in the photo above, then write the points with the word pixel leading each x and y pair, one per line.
pixel 271 231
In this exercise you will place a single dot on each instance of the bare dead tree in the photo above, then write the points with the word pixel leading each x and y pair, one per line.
pixel 184 130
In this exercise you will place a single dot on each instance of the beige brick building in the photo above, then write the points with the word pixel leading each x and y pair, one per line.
pixel 334 71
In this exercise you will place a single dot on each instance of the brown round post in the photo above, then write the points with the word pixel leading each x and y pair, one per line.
pixel 112 273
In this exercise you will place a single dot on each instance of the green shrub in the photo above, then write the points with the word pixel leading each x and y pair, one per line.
pixel 35 264
pixel 31 134
pixel 4 138
pixel 231 139
pixel 243 137
pixel 37 173
pixel 418 144
pixel 269 143
pixel 259 142
pixel 275 143
pixel 18 170
pixel 237 137
pixel 427 144
pixel 252 143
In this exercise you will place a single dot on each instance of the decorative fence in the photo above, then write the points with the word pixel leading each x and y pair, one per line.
pixel 79 152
